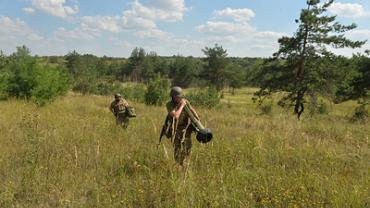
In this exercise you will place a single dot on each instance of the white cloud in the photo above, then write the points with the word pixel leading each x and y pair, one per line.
pixel 240 15
pixel 134 22
pixel 29 10
pixel 359 33
pixel 62 34
pixel 106 23
pixel 237 31
pixel 348 10
pixel 55 7
pixel 17 29
pixel 226 28
pixel 154 34
pixel 139 18
pixel 164 10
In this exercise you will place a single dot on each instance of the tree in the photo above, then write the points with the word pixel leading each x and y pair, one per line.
pixel 303 65
pixel 3 60
pixel 361 83
pixel 157 91
pixel 136 61
pixel 235 75
pixel 3 76
pixel 84 71
pixel 28 79
pixel 183 71
pixel 216 68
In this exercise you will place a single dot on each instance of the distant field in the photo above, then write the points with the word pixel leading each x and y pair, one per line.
pixel 71 154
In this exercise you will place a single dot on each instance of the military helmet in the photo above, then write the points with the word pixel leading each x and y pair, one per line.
pixel 117 95
pixel 176 91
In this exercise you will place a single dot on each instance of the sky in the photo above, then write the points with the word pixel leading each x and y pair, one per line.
pixel 245 28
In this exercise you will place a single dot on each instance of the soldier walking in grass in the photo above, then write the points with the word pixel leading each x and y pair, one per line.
pixel 119 107
pixel 181 137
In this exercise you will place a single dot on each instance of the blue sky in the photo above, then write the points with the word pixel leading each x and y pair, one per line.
pixel 169 27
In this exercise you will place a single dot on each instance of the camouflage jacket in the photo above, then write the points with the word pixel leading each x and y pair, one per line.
pixel 118 107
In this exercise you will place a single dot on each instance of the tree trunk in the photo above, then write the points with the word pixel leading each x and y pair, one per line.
pixel 299 107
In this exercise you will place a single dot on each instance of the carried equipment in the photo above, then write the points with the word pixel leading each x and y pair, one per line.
pixel 130 112
pixel 167 128
pixel 204 135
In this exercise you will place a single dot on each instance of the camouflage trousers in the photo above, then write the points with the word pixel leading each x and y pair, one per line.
pixel 122 121
pixel 182 144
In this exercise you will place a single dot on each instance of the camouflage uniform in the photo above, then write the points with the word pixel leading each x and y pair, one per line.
pixel 118 108
pixel 182 139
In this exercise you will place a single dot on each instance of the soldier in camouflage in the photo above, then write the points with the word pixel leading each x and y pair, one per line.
pixel 118 108
pixel 182 133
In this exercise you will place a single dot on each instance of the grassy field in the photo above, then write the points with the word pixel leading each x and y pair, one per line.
pixel 71 154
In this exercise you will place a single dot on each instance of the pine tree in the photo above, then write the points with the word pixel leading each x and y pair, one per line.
pixel 304 65
pixel 216 68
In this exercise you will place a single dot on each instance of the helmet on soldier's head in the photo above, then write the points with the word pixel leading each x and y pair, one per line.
pixel 117 95
pixel 176 91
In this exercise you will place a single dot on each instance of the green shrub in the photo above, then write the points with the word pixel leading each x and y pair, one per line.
pixel 3 85
pixel 108 88
pixel 318 108
pixel 50 82
pixel 361 114
pixel 135 92
pixel 323 108
pixel 266 108
pixel 24 77
pixel 208 97
pixel 157 92
pixel 85 84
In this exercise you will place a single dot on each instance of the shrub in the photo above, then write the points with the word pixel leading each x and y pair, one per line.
pixel 85 84
pixel 323 108
pixel 266 108
pixel 50 82
pixel 108 88
pixel 361 114
pixel 208 97
pixel 136 92
pixel 3 85
pixel 318 108
pixel 157 92
pixel 24 77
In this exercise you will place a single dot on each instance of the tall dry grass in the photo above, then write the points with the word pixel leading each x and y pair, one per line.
pixel 71 154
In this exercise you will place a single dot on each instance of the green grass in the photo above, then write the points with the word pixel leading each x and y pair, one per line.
pixel 71 154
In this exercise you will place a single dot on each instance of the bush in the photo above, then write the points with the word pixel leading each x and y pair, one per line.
pixel 157 92
pixel 208 97
pixel 135 92
pixel 3 85
pixel 266 108
pixel 24 77
pixel 318 108
pixel 108 88
pixel 85 84
pixel 361 114
pixel 323 108
pixel 51 82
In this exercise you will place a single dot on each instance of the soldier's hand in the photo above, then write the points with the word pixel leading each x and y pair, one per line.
pixel 183 102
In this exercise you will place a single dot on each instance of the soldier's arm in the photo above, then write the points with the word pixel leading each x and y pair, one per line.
pixel 111 108
pixel 176 113
pixel 125 103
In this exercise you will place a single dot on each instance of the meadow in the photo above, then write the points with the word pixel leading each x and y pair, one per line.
pixel 71 154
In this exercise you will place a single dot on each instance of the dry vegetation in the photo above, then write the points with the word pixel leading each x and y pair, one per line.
pixel 71 154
